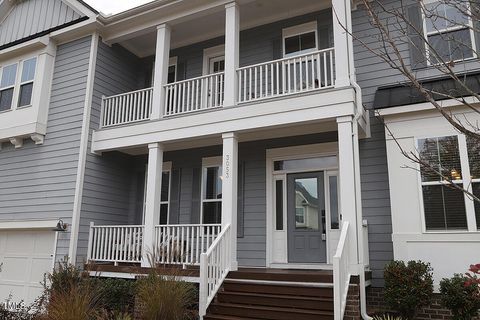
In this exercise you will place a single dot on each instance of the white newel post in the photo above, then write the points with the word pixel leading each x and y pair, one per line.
pixel 346 173
pixel 160 78
pixel 340 36
pixel 152 208
pixel 229 191
pixel 232 45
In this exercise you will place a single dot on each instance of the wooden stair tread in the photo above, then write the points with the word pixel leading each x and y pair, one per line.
pixel 274 309
pixel 278 296
pixel 286 275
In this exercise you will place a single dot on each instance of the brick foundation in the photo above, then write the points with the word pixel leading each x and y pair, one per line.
pixel 352 309
pixel 376 305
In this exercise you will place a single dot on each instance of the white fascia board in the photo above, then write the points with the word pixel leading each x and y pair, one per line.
pixel 80 8
pixel 76 31
pixel 24 48
pixel 28 224
pixel 277 112
pixel 424 106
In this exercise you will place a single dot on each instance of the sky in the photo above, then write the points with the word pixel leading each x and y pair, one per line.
pixel 114 6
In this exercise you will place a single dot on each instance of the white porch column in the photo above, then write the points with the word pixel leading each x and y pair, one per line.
pixel 346 174
pixel 154 191
pixel 232 47
pixel 160 78
pixel 229 190
pixel 340 36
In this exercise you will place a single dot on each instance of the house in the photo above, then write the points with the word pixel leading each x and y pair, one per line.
pixel 226 138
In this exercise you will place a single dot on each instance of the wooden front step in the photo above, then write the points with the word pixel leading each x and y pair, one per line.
pixel 274 295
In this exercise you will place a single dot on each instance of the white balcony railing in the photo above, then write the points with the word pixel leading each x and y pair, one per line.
pixel 307 72
pixel 194 94
pixel 214 268
pixel 341 272
pixel 126 108
pixel 183 244
pixel 115 244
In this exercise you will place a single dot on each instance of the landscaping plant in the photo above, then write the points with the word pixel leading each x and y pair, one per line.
pixel 408 287
pixel 460 296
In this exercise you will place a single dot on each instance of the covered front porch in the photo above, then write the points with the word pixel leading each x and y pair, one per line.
pixel 241 199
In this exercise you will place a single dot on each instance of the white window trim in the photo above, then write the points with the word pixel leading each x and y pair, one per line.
pixel 210 53
pixel 18 81
pixel 210 162
pixel 426 34
pixel 466 181
pixel 172 61
pixel 298 30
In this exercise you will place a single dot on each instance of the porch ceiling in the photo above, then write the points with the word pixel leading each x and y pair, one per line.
pixel 211 24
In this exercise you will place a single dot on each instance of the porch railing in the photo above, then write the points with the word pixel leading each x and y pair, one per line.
pixel 115 244
pixel 341 272
pixel 183 244
pixel 286 76
pixel 126 108
pixel 194 94
pixel 214 268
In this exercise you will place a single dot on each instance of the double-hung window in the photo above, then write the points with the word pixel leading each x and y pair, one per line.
pixel 449 166
pixel 449 31
pixel 212 190
pixel 300 39
pixel 16 84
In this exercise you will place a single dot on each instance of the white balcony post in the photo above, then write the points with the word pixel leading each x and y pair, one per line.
pixel 340 36
pixel 160 78
pixel 346 173
pixel 232 47
pixel 152 208
pixel 229 191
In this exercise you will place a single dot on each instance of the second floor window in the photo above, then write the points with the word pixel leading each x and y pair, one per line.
pixel 16 84
pixel 449 31
pixel 300 39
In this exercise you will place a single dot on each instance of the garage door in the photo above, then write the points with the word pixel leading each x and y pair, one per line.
pixel 25 257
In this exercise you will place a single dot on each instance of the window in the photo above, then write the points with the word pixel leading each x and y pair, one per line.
pixel 455 159
pixel 300 39
pixel 7 86
pixel 212 190
pixel 474 163
pixel 26 82
pixel 165 194
pixel 449 31
pixel 279 205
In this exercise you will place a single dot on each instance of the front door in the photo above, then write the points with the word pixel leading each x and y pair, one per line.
pixel 306 218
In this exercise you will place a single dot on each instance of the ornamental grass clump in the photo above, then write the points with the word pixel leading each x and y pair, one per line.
pixel 165 297
pixel 408 287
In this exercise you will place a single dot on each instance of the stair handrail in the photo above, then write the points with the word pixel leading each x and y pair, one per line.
pixel 341 272
pixel 214 268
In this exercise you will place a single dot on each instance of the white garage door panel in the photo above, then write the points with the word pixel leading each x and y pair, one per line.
pixel 25 256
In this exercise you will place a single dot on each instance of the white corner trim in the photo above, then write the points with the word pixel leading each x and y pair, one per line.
pixel 82 158
pixel 28 224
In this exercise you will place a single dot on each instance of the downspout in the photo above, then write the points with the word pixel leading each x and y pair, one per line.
pixel 359 112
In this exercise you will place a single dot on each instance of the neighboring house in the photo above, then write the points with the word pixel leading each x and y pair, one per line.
pixel 223 135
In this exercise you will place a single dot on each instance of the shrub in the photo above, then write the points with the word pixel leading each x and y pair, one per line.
pixel 408 286
pixel 65 277
pixel 460 297
pixel 165 297
pixel 387 317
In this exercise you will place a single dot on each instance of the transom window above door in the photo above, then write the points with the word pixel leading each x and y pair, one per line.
pixel 300 39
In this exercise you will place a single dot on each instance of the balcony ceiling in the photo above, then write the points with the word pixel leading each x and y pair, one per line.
pixel 210 24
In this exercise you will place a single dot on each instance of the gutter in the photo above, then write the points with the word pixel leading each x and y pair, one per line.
pixel 359 112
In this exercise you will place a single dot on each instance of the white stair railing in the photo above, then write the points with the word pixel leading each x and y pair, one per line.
pixel 182 244
pixel 341 272
pixel 115 244
pixel 302 73
pixel 214 268
pixel 194 94
pixel 126 108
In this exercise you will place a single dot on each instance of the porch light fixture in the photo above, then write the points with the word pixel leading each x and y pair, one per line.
pixel 61 226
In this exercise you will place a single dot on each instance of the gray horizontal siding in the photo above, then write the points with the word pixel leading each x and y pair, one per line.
pixel 37 182
pixel 30 17
pixel 108 178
